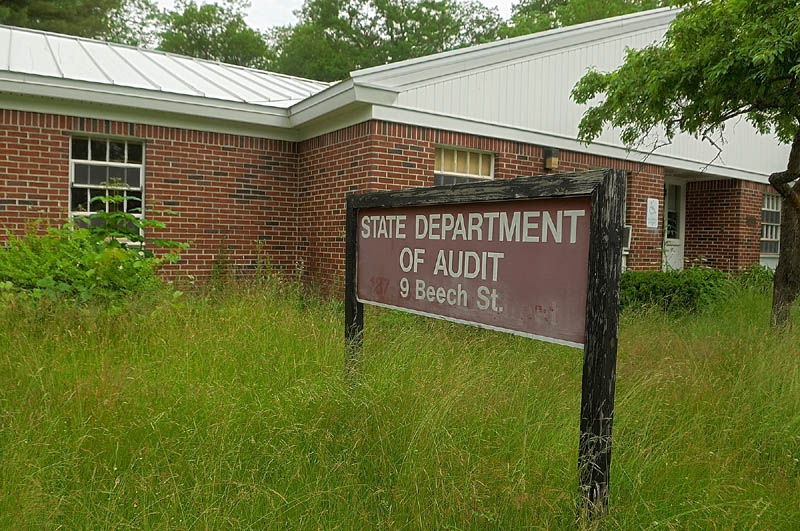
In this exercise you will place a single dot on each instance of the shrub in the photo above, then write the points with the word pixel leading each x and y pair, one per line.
pixel 689 290
pixel 101 256
pixel 756 278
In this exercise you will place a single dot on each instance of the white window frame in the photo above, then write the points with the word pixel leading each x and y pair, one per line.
pixel 439 160
pixel 770 232
pixel 106 163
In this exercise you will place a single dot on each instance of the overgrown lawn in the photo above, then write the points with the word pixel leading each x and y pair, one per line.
pixel 232 411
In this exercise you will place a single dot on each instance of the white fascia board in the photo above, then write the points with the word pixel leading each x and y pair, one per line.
pixel 475 127
pixel 446 63
pixel 84 109
pixel 338 97
pixel 32 85
pixel 353 115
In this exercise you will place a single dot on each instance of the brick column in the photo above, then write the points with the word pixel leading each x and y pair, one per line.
pixel 723 223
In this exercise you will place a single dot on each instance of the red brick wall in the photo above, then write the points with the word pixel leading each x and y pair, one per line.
pixel 723 223
pixel 380 155
pixel 34 170
pixel 229 191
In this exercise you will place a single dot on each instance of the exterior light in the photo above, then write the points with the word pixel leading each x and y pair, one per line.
pixel 550 158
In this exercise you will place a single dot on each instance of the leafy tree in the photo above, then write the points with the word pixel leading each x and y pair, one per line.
pixel 531 16
pixel 213 31
pixel 85 18
pixel 134 22
pixel 335 37
pixel 720 59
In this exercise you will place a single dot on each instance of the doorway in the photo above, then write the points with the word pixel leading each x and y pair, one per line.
pixel 674 224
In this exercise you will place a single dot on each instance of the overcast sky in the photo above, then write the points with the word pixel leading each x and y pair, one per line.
pixel 266 13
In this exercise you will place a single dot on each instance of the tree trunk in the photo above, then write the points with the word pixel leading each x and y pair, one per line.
pixel 786 286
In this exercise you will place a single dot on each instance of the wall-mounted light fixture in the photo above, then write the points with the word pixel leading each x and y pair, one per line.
pixel 550 158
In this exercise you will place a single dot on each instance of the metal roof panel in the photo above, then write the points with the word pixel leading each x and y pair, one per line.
pixel 73 60
pixel 24 51
pixel 5 47
pixel 30 54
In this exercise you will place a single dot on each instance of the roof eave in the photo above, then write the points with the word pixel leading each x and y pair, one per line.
pixel 33 85
pixel 339 96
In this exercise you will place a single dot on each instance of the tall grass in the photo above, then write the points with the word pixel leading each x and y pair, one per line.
pixel 232 411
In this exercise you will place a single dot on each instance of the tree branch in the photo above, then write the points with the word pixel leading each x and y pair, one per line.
pixel 781 180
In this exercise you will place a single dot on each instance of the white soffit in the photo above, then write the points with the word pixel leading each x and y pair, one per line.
pixel 28 56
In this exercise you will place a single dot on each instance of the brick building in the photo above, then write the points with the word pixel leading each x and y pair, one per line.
pixel 257 164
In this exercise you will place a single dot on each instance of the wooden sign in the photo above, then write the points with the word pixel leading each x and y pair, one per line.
pixel 514 266
pixel 539 257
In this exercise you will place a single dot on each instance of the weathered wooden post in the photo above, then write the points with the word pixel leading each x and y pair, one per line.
pixel 600 346
pixel 353 309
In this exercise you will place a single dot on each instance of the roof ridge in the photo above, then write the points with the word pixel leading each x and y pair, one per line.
pixel 160 52
pixel 594 24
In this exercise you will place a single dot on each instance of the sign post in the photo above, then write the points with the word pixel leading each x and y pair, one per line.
pixel 539 257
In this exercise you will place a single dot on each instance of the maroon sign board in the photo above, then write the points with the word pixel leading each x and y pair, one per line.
pixel 539 257
pixel 517 266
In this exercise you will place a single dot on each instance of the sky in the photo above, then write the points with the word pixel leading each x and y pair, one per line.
pixel 266 13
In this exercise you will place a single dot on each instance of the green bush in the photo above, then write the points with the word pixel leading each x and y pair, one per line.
pixel 103 256
pixel 756 278
pixel 689 290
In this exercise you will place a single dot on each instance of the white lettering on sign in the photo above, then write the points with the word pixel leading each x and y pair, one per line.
pixel 383 227
pixel 529 226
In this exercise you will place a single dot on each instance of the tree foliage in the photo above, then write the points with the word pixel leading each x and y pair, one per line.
pixel 84 18
pixel 135 23
pixel 214 31
pixel 720 59
pixel 334 37
pixel 531 16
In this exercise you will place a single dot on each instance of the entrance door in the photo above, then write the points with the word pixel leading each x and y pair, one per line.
pixel 674 221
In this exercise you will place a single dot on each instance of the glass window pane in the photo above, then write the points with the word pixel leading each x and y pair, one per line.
pixel 133 202
pixel 437 161
pixel 80 148
pixel 133 177
pixel 134 153
pixel 116 151
pixel 96 204
pixel 475 163
pixel 115 206
pixel 461 162
pixel 448 160
pixel 486 165
pixel 99 150
pixel 80 200
pixel 98 174
pixel 672 225
pixel 81 175
pixel 116 176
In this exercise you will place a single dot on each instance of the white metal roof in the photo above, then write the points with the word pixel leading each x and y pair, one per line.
pixel 25 53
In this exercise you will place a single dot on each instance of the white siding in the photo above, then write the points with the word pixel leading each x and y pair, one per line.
pixel 533 93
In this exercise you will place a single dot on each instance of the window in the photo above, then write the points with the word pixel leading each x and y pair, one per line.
pixel 673 211
pixel 456 166
pixel 771 224
pixel 102 167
